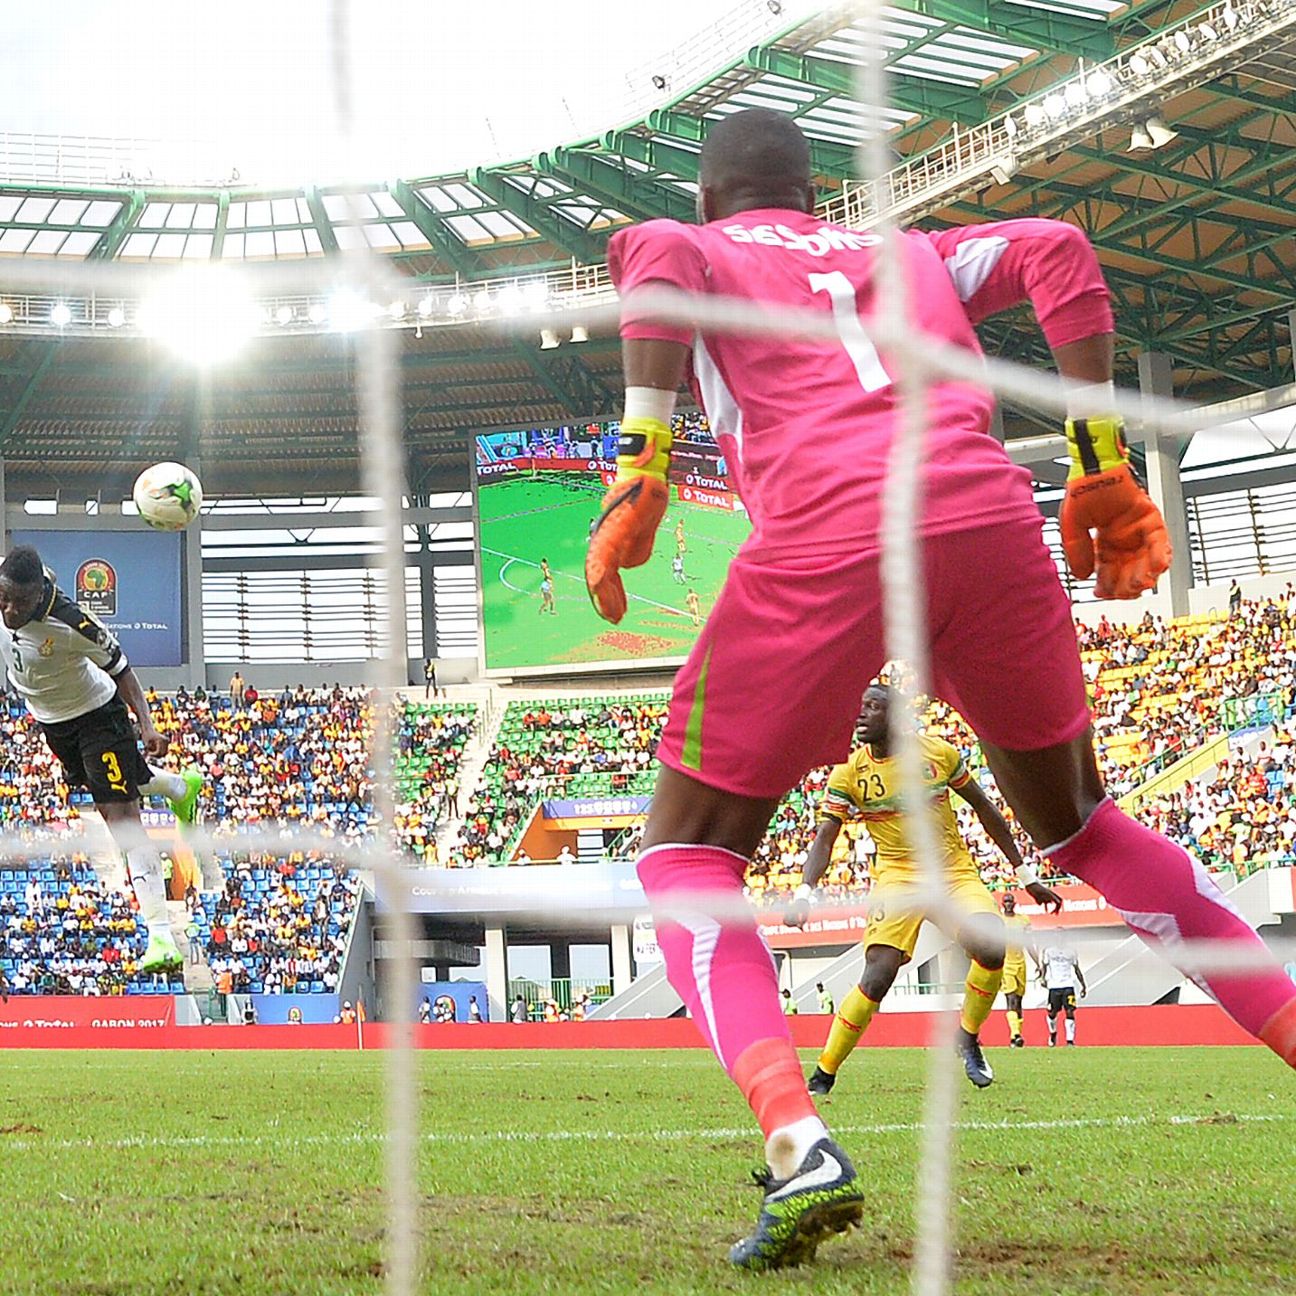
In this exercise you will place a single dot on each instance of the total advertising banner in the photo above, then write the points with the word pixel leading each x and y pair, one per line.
pixel 72 1012
pixel 130 580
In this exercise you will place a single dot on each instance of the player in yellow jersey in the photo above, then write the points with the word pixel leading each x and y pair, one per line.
pixel 1013 986
pixel 868 785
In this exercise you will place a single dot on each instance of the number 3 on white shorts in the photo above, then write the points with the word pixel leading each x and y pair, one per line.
pixel 863 355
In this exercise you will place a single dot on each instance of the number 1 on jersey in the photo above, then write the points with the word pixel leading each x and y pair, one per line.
pixel 863 354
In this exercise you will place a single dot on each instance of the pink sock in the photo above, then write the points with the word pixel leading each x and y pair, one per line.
pixel 724 972
pixel 1167 897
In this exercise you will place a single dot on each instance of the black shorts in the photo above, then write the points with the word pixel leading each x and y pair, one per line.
pixel 1061 997
pixel 100 751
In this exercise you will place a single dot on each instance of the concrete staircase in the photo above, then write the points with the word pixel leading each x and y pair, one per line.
pixel 844 971
pixel 1133 974
pixel 198 977
pixel 490 713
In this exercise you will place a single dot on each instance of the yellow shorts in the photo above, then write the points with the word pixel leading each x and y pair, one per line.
pixel 892 922
pixel 1014 978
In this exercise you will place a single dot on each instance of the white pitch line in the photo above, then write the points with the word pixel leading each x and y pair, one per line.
pixel 526 562
pixel 455 1138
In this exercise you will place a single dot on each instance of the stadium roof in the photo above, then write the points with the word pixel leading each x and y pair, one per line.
pixel 1194 225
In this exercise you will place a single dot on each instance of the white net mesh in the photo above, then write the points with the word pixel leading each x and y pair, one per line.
pixel 921 361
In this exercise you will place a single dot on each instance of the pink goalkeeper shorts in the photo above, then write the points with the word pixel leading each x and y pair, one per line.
pixel 773 685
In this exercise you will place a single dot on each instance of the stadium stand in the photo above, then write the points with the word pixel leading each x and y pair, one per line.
pixel 63 932
pixel 280 925
pixel 1159 690
pixel 587 747
pixel 278 922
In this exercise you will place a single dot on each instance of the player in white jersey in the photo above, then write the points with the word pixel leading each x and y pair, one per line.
pixel 1060 969
pixel 77 683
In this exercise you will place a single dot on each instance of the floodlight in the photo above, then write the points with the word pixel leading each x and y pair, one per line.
pixel 284 315
pixel 1055 105
pixel 317 313
pixel 60 314
pixel 457 304
pixel 1098 84
pixel 116 317
pixel 548 339
pixel 426 306
pixel 774 6
pixel 1074 94
pixel 1207 32
pixel 1230 17
pixel 510 299
pixel 1010 126
pixel 659 82
pixel 1003 169
pixel 1183 41
pixel 6 313
pixel 1159 132
pixel 396 310
pixel 482 299
pixel 1150 134
pixel 579 333
pixel 203 313
pixel 1139 65
pixel 1035 114
pixel 536 295
pixel 348 311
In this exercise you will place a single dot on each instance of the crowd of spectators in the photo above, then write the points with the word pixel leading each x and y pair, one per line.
pixel 1243 816
pixel 1158 689
pixel 279 761
pixel 279 925
pixel 548 750
pixel 63 932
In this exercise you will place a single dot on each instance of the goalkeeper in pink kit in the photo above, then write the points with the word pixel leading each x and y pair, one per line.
pixel 773 685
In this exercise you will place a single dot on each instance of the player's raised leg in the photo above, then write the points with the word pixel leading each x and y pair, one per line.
pixel 1157 887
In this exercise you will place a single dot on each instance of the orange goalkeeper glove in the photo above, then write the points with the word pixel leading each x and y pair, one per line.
pixel 632 511
pixel 1107 520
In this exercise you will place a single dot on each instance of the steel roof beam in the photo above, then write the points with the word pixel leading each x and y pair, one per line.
pixel 1049 32
pixel 622 189
pixel 917 94
pixel 430 225
pixel 122 224
pixel 826 157
pixel 27 394
pixel 573 240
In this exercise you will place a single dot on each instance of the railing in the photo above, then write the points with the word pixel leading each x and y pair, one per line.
pixel 1175 59
pixel 1256 711
pixel 561 991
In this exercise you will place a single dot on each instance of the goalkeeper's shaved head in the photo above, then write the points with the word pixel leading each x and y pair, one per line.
pixel 756 158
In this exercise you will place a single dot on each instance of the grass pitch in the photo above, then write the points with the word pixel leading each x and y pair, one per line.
pixel 1116 1171
pixel 524 519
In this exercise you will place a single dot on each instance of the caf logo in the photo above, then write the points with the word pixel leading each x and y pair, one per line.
pixel 96 587
pixel 47 648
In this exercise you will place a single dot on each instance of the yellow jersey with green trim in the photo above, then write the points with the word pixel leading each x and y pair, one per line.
pixel 867 787
pixel 1018 926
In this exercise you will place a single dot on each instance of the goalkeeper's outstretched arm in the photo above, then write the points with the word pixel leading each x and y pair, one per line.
pixel 636 501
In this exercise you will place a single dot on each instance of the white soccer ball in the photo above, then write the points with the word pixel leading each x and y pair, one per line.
pixel 168 496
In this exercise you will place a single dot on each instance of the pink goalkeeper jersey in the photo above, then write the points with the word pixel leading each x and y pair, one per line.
pixel 806 425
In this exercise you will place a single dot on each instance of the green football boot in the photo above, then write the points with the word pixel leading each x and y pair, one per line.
pixel 185 808
pixel 162 955
pixel 822 1198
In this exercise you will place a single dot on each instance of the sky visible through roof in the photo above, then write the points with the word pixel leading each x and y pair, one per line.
pixel 438 86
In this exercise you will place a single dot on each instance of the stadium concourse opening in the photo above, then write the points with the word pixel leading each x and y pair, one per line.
pixel 324 816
